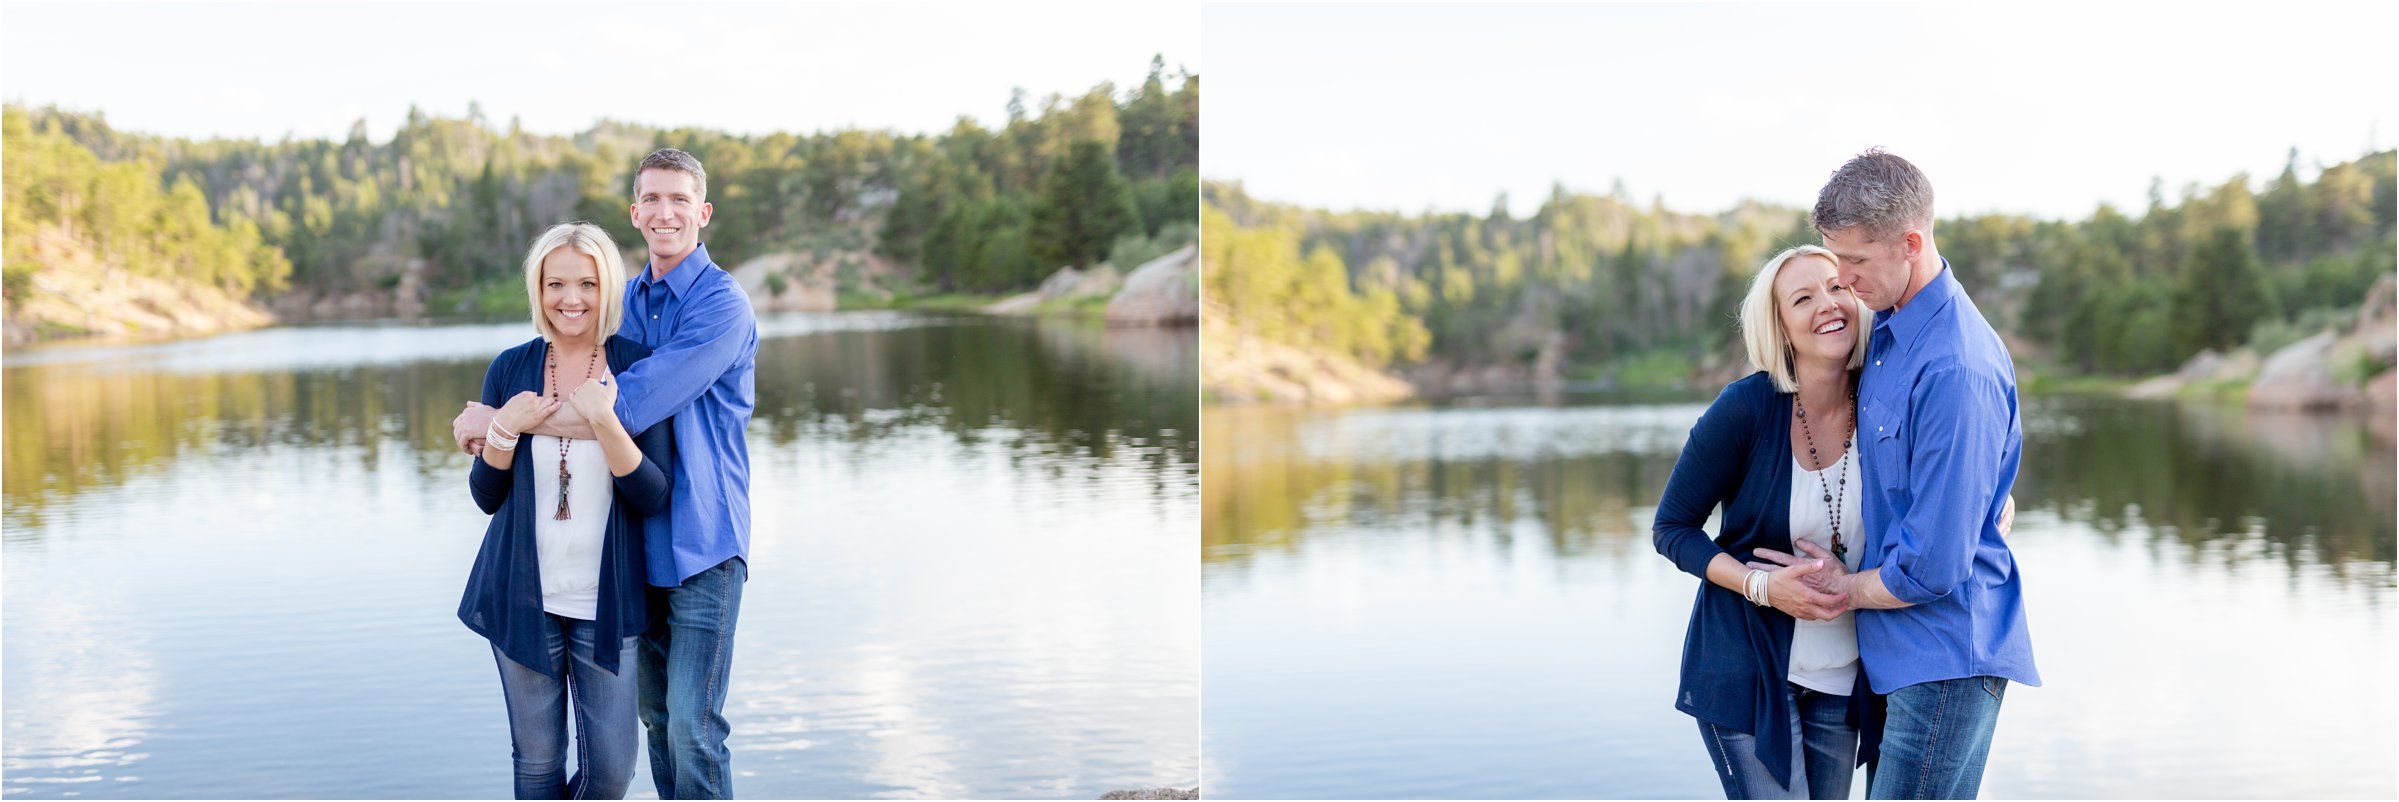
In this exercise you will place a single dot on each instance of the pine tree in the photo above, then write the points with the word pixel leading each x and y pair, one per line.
pixel 1085 205
pixel 2222 294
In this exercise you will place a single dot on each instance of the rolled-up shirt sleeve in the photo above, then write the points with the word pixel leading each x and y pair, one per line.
pixel 1958 423
pixel 1704 476
pixel 716 330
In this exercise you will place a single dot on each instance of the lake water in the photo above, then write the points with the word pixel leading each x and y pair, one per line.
pixel 232 565
pixel 1462 600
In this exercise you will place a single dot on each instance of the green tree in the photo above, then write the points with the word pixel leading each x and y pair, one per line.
pixel 1085 205
pixel 2222 294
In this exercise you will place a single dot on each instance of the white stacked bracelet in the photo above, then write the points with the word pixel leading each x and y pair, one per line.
pixel 1755 587
pixel 499 438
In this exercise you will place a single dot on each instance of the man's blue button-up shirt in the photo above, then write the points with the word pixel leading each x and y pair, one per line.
pixel 702 372
pixel 1940 439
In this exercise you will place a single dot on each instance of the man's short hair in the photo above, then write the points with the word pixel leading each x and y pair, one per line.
pixel 1879 192
pixel 676 160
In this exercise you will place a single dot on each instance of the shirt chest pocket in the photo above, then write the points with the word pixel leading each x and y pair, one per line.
pixel 1882 434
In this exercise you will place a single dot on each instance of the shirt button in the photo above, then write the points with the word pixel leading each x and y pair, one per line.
pixel 1878 428
pixel 1877 363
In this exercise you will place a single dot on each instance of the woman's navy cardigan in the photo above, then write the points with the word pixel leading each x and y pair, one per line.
pixel 503 592
pixel 1737 655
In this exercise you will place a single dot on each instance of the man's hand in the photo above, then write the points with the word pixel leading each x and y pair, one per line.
pixel 470 425
pixel 1828 580
pixel 1789 590
pixel 2007 516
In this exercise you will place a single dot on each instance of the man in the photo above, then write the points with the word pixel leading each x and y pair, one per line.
pixel 701 373
pixel 1941 625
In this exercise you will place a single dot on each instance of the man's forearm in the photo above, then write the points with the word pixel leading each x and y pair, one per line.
pixel 1866 592
pixel 564 423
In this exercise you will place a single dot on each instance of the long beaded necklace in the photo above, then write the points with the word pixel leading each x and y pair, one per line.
pixel 565 444
pixel 1832 508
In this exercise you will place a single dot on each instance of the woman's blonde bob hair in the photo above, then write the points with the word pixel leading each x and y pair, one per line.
pixel 1762 322
pixel 589 240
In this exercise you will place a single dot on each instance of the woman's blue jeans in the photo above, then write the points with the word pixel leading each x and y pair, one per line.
pixel 602 704
pixel 1824 752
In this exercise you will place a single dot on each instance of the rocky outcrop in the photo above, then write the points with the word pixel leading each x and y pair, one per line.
pixel 2300 376
pixel 306 306
pixel 1164 292
pixel 2335 370
pixel 1067 284
pixel 1236 368
pixel 1446 377
pixel 1540 363
pixel 75 296
pixel 1019 304
pixel 2207 367
pixel 2377 332
pixel 805 287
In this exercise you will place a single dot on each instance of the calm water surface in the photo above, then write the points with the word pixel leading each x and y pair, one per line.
pixel 1461 600
pixel 233 565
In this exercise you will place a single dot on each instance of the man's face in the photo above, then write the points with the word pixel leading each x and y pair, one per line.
pixel 1877 271
pixel 670 213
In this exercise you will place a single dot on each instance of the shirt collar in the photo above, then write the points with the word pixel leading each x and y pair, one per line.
pixel 1905 322
pixel 679 278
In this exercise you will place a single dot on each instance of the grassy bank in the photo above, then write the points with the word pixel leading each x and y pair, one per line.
pixel 940 302
pixel 1086 308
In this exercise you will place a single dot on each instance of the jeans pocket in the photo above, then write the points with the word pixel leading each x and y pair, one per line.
pixel 1995 686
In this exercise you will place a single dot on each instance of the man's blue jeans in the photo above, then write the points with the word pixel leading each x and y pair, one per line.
pixel 1824 753
pixel 686 664
pixel 1935 739
pixel 603 710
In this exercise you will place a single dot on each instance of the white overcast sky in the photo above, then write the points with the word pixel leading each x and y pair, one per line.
pixel 262 70
pixel 2044 110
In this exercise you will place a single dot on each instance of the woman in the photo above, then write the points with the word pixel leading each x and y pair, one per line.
pixel 558 585
pixel 1780 701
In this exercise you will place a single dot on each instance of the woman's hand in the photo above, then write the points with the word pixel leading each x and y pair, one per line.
pixel 525 411
pixel 596 402
pixel 2007 516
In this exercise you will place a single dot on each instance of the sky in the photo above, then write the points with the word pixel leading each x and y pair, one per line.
pixel 2028 109
pixel 267 70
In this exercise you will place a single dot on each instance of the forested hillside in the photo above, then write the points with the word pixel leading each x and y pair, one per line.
pixel 1604 287
pixel 439 214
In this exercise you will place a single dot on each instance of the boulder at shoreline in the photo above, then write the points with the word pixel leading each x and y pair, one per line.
pixel 1164 292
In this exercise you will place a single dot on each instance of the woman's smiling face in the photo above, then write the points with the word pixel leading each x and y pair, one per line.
pixel 1819 315
pixel 570 293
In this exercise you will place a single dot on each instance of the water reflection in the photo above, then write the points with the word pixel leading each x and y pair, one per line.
pixel 2201 473
pixel 1052 379
pixel 86 417
pixel 99 694
pixel 971 551
pixel 73 427
pixel 2204 473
